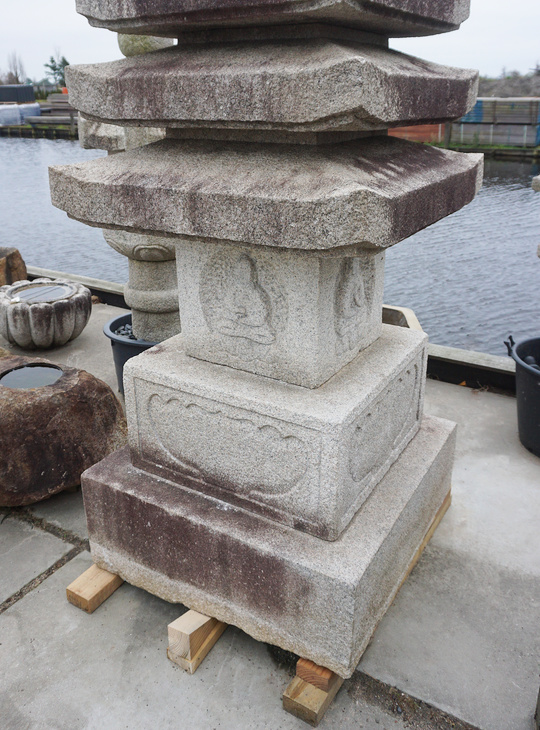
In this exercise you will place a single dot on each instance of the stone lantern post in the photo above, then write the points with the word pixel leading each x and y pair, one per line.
pixel 280 473
pixel 151 292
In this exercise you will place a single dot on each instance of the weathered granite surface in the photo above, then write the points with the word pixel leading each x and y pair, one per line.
pixel 308 458
pixel 293 315
pixel 341 85
pixel 377 190
pixel 33 320
pixel 151 291
pixel 166 17
pixel 95 135
pixel 319 599
pixel 112 137
pixel 12 266
pixel 261 430
pixel 134 45
pixel 51 434
pixel 141 247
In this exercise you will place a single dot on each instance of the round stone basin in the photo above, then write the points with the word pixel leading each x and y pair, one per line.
pixel 43 313
pixel 31 376
pixel 55 422
pixel 32 293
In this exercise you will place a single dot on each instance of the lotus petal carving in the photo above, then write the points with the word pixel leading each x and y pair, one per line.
pixel 230 451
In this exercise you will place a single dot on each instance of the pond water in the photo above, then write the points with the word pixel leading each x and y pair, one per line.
pixel 472 278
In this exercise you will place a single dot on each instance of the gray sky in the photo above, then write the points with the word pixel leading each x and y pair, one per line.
pixel 498 34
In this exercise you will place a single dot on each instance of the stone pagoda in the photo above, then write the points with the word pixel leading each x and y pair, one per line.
pixel 280 474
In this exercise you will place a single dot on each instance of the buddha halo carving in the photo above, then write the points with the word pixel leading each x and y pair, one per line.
pixel 242 304
pixel 355 285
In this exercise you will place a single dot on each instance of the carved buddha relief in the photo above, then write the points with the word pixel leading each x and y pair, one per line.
pixel 241 304
pixel 246 305
pixel 353 300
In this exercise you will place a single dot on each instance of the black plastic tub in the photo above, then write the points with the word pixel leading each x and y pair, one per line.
pixel 527 390
pixel 123 347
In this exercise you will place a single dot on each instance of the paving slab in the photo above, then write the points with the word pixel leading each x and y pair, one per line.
pixel 64 510
pixel 25 552
pixel 73 670
pixel 496 481
pixel 463 631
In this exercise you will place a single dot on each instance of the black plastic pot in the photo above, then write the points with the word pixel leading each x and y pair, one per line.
pixel 527 357
pixel 123 347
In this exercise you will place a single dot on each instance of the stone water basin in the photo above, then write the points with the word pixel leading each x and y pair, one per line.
pixel 55 422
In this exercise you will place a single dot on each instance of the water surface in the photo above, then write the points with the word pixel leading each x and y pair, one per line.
pixel 474 277
pixel 44 235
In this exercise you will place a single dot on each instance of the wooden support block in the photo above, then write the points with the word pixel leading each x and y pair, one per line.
pixel 93 587
pixel 191 637
pixel 308 702
pixel 316 675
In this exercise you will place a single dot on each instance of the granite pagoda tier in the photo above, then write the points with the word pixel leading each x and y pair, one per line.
pixel 280 474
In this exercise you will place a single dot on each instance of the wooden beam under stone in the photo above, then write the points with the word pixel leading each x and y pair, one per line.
pixel 308 702
pixel 312 690
pixel 191 637
pixel 92 588
pixel 316 675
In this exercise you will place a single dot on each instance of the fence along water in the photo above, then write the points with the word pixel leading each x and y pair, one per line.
pixel 512 122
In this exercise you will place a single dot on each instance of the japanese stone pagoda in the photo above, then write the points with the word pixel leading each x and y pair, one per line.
pixel 280 474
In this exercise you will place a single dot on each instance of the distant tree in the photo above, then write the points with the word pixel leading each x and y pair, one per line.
pixel 56 69
pixel 512 83
pixel 15 70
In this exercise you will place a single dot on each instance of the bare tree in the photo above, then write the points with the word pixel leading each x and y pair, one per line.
pixel 15 73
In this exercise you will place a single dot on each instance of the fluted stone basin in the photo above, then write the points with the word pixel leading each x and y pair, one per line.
pixel 43 313
pixel 55 422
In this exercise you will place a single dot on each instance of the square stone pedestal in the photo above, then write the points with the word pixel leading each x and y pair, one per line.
pixel 319 599
pixel 305 457
pixel 298 316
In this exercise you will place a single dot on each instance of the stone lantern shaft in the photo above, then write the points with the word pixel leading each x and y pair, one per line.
pixel 280 473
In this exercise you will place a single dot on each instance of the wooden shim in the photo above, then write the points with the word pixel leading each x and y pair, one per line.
pixel 93 587
pixel 429 534
pixel 191 637
pixel 316 675
pixel 308 702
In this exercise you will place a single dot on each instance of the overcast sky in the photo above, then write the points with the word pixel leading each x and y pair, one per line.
pixel 499 34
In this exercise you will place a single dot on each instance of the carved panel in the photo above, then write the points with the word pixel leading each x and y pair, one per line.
pixel 242 304
pixel 355 288
pixel 228 447
pixel 377 432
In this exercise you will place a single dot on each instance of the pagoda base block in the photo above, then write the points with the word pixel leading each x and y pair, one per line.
pixel 321 600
